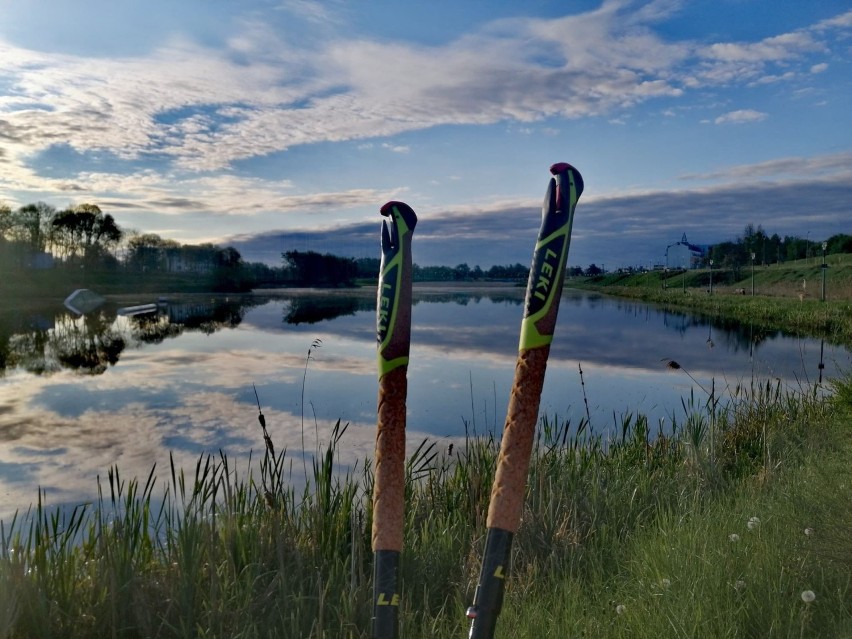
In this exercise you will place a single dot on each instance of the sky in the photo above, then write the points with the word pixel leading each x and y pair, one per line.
pixel 273 125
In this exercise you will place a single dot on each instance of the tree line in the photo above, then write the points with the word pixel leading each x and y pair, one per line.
pixel 774 249
pixel 37 236
pixel 82 233
pixel 315 269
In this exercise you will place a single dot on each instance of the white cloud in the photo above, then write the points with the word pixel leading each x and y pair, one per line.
pixel 205 110
pixel 772 49
pixel 844 20
pixel 836 165
pixel 771 79
pixel 819 68
pixel 740 117
pixel 396 148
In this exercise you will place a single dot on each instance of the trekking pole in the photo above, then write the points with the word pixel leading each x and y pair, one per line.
pixel 541 306
pixel 393 324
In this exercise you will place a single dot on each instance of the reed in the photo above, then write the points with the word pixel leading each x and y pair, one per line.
pixel 628 534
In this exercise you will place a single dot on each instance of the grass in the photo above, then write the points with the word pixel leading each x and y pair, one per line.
pixel 622 537
pixel 788 297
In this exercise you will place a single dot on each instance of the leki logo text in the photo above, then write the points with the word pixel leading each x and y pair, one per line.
pixel 545 276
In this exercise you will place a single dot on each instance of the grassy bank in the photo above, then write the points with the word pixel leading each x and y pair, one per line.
pixel 722 527
pixel 787 297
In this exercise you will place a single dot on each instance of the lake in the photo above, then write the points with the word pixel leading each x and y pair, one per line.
pixel 81 394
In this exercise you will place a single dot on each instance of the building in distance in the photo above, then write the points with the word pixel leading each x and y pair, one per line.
pixel 684 255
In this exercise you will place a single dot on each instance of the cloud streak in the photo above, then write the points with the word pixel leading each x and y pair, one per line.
pixel 811 199
pixel 741 116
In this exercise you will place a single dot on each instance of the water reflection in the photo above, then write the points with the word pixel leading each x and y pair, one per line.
pixel 311 310
pixel 51 339
pixel 46 343
pixel 48 340
pixel 78 394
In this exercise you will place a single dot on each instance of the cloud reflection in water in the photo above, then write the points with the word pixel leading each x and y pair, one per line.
pixel 187 388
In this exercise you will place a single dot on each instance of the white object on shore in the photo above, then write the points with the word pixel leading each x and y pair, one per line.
pixel 83 301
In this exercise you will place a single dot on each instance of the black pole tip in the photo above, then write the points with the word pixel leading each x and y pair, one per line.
pixel 386 209
pixel 560 167
pixel 405 211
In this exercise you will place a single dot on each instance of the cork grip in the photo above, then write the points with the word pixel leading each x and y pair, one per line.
pixel 389 485
pixel 507 493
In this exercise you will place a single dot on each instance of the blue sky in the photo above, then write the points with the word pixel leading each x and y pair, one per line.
pixel 287 124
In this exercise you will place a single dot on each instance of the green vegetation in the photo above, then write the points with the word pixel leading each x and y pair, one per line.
pixel 45 253
pixel 731 520
pixel 788 297
pixel 737 254
pixel 368 268
pixel 48 253
pixel 724 524
pixel 312 269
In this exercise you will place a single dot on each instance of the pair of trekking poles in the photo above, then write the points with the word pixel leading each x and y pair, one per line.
pixel 393 309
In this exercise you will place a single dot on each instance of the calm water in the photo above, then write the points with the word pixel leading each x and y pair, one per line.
pixel 79 394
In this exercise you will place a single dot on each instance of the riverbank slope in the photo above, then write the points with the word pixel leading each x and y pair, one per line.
pixel 787 297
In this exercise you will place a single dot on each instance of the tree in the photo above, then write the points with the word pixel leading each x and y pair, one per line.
pixel 85 232
pixel 462 272
pixel 146 252
pixel 33 224
pixel 6 221
pixel 516 271
pixel 796 247
pixel 575 271
pixel 368 267
pixel 229 272
pixel 228 257
pixel 773 250
pixel 840 243
pixel 312 269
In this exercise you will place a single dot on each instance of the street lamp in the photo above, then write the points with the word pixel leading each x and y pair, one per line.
pixel 824 267
pixel 711 277
pixel 752 274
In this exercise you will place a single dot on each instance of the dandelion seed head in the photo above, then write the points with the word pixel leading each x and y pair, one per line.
pixel 673 365
pixel 665 583
pixel 753 523
pixel 809 531
pixel 733 537
pixel 808 596
pixel 621 608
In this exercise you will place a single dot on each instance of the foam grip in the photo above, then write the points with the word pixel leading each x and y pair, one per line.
pixel 507 493
pixel 389 484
